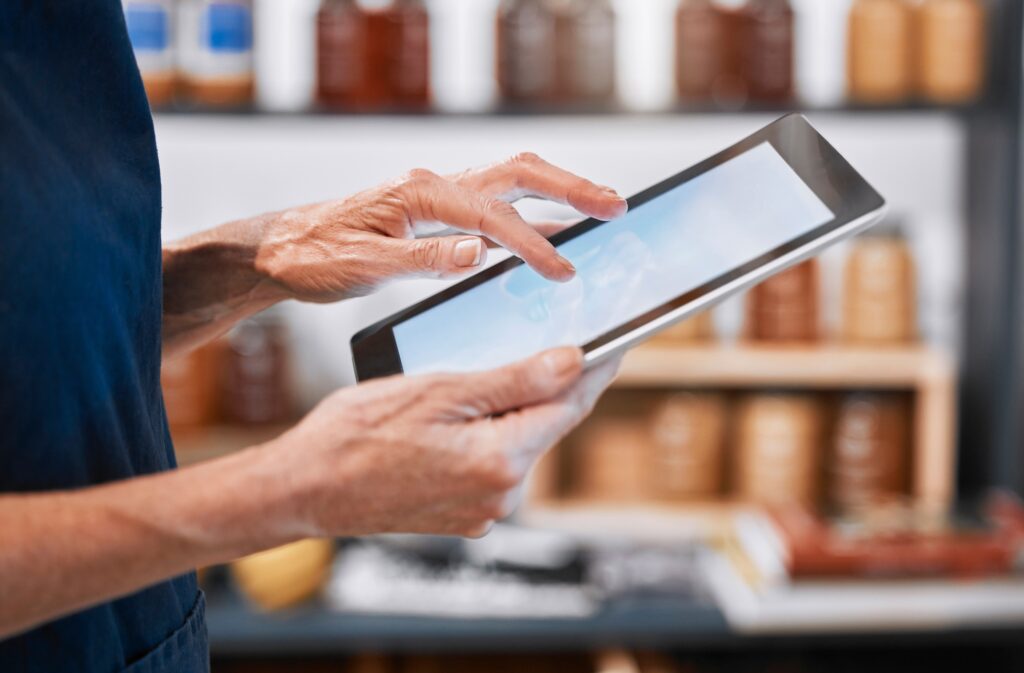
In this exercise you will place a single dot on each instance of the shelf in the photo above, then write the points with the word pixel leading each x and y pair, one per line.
pixel 641 522
pixel 828 366
pixel 583 110
pixel 235 629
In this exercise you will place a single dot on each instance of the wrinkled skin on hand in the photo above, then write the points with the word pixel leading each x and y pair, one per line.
pixel 442 454
pixel 346 248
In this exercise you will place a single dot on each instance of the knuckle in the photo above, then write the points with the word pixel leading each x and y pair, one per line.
pixel 427 253
pixel 420 176
pixel 526 159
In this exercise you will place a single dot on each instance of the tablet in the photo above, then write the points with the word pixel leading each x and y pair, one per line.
pixel 771 200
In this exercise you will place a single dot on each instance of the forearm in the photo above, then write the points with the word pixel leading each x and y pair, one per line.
pixel 63 551
pixel 211 281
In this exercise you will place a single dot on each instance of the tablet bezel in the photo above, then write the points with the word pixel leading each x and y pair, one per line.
pixel 854 203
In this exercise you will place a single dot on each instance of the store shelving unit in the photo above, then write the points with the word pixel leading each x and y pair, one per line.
pixel 983 449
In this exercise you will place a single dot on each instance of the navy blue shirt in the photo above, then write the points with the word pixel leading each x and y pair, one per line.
pixel 80 310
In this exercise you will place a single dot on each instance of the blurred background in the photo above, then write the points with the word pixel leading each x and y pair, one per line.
pixel 821 475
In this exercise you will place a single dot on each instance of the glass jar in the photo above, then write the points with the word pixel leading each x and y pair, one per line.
pixel 880 289
pixel 526 52
pixel 585 33
pixel 879 62
pixel 785 307
pixel 950 50
pixel 215 51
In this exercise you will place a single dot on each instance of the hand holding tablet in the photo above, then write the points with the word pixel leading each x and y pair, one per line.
pixel 769 201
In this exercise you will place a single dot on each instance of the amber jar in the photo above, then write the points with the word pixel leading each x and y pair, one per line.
pixel 610 461
pixel 699 328
pixel 256 386
pixel 785 307
pixel 879 58
pixel 700 49
pixel 777 452
pixel 870 450
pixel 950 50
pixel 341 52
pixel 585 58
pixel 766 44
pixel 526 46
pixel 880 289
pixel 687 446
pixel 398 37
pixel 190 389
pixel 215 52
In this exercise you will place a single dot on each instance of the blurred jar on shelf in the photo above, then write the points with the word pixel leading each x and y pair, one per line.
pixel 703 45
pixel 784 308
pixel 610 461
pixel 820 51
pixel 287 575
pixel 585 55
pixel 256 386
pixel 399 40
pixel 766 48
pixel 191 387
pixel 373 55
pixel 777 456
pixel 341 53
pixel 879 61
pixel 950 50
pixel 215 51
pixel 880 289
pixel 285 53
pixel 526 51
pixel 688 446
pixel 151 29
pixel 870 450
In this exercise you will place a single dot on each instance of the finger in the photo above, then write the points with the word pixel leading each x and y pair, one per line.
pixel 536 379
pixel 526 174
pixel 429 197
pixel 436 257
pixel 545 229
pixel 527 433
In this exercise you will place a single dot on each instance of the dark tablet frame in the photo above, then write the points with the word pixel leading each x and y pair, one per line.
pixel 812 158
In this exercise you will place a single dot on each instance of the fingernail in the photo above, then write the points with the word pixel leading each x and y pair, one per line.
pixel 608 191
pixel 561 361
pixel 468 252
pixel 567 265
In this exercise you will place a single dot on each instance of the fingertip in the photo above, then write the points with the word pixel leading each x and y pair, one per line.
pixel 565 362
pixel 469 252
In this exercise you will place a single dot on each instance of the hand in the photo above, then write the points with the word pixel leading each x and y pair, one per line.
pixel 441 454
pixel 339 249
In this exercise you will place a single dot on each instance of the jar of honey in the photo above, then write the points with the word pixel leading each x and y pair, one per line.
pixel 784 308
pixel 869 451
pixel 880 289
pixel 526 46
pixel 950 50
pixel 879 59
pixel 767 47
pixel 688 446
pixel 585 59
pixel 777 448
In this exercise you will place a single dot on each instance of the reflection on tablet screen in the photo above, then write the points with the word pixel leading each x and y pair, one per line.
pixel 664 248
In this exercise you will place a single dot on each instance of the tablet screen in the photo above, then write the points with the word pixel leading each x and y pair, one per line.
pixel 670 245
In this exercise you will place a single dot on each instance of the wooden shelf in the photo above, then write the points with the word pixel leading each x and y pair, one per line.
pixel 827 366
pixel 658 522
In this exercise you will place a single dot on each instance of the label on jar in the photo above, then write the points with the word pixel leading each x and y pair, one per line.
pixel 216 39
pixel 149 28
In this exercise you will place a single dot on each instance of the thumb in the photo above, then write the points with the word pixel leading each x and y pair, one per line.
pixel 443 256
pixel 536 379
